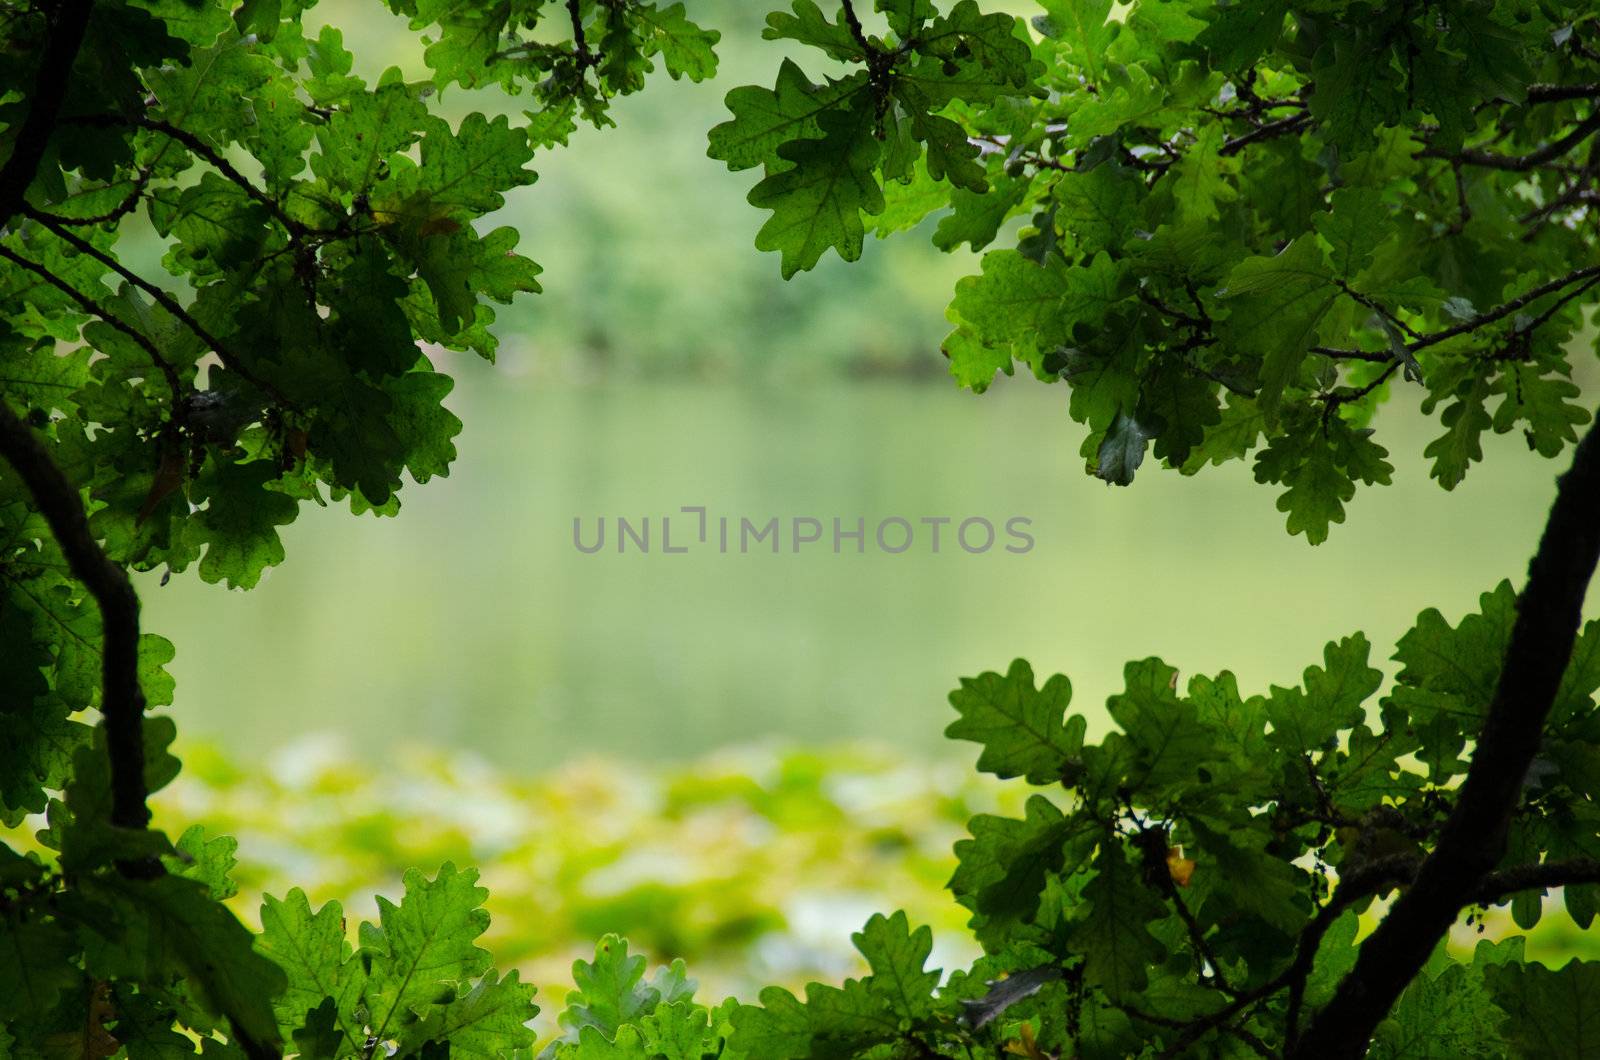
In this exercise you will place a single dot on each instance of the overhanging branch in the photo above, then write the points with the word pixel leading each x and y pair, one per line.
pixel 1487 317
pixel 93 308
pixel 229 357
pixel 205 151
pixel 1498 886
pixel 121 700
pixel 1521 163
pixel 1473 838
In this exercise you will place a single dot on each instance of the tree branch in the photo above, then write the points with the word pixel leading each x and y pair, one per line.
pixel 205 151
pixel 1372 356
pixel 1372 878
pixel 121 700
pixel 1473 838
pixel 1521 163
pixel 1498 886
pixel 1281 127
pixel 162 298
pixel 1375 877
pixel 1560 93
pixel 68 23
pixel 580 43
pixel 854 24
pixel 1489 316
pixel 92 307
pixel 1505 309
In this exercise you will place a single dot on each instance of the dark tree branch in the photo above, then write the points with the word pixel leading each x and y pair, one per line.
pixel 1373 356
pixel 580 43
pixel 1345 395
pixel 205 151
pixel 1582 181
pixel 1473 838
pixel 1520 163
pixel 162 298
pixel 1555 307
pixel 121 701
pixel 854 23
pixel 1560 93
pixel 1505 309
pixel 1375 877
pixel 1377 307
pixel 1489 316
pixel 93 308
pixel 1281 127
pixel 68 22
pixel 1372 878
pixel 1498 886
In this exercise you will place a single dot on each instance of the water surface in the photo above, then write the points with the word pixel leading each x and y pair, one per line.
pixel 471 620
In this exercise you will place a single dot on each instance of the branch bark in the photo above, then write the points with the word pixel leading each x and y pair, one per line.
pixel 121 700
pixel 1473 839
pixel 1498 886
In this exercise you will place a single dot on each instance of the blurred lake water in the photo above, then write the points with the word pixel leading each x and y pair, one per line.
pixel 667 364
pixel 472 621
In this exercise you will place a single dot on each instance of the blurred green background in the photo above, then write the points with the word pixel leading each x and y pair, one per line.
pixel 614 737
pixel 667 364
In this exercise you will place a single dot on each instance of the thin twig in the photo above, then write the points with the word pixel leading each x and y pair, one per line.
pixel 205 151
pixel 228 357
pixel 95 309
pixel 1346 395
pixel 1505 309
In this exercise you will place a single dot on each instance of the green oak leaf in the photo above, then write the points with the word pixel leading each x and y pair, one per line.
pixel 1307 720
pixel 1549 1012
pixel 1275 305
pixel 1114 935
pixel 488 1021
pixel 817 202
pixel 611 991
pixel 422 945
pixel 239 523
pixel 809 26
pixel 171 926
pixel 1024 731
pixel 686 49
pixel 765 119
pixel 897 956
pixel 318 962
